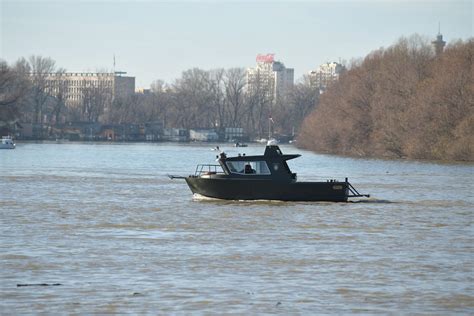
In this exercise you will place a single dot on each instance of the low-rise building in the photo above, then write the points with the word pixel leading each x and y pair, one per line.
pixel 175 134
pixel 233 133
pixel 153 131
pixel 75 88
pixel 203 135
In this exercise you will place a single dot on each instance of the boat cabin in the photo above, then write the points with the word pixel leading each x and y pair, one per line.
pixel 272 164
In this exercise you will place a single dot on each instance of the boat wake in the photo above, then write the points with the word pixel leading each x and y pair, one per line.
pixel 202 198
pixel 372 201
pixel 199 197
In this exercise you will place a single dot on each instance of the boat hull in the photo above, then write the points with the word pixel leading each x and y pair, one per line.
pixel 7 143
pixel 259 189
pixel 7 146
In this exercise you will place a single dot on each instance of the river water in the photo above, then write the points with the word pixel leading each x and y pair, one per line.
pixel 104 222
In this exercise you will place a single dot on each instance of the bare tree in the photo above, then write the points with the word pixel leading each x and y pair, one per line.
pixel 95 97
pixel 235 82
pixel 193 93
pixel 161 102
pixel 60 91
pixel 301 100
pixel 40 67
pixel 217 95
pixel 13 89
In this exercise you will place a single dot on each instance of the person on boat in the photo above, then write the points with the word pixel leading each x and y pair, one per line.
pixel 248 169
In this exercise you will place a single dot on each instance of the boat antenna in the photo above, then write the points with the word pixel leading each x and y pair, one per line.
pixel 270 121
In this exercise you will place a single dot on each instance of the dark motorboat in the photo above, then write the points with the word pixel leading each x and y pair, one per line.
pixel 240 145
pixel 266 177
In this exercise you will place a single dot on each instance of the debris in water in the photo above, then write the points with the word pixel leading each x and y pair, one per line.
pixel 39 284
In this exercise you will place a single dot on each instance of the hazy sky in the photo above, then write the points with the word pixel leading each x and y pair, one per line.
pixel 158 40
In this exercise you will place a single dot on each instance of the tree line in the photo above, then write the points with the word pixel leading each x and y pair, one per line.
pixel 401 101
pixel 200 98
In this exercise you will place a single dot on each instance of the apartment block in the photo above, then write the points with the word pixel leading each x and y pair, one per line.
pixel 325 75
pixel 270 77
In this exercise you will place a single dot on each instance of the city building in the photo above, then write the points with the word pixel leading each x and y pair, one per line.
pixel 142 91
pixel 325 75
pixel 74 86
pixel 271 77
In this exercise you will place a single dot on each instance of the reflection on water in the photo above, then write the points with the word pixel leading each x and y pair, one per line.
pixel 106 223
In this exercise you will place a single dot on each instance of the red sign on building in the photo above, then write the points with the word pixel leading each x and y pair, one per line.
pixel 268 58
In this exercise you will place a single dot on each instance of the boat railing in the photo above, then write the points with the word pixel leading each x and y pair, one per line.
pixel 208 170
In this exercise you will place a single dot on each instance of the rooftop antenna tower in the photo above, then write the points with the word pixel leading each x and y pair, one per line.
pixel 439 43
pixel 119 73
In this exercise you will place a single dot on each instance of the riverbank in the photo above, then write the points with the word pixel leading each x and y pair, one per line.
pixel 388 157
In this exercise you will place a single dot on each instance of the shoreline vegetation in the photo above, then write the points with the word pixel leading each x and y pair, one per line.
pixel 399 102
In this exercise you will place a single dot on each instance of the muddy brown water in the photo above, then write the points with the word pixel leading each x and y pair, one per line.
pixel 106 227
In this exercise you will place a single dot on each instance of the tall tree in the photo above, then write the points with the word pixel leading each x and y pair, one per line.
pixel 13 89
pixel 218 100
pixel 193 92
pixel 235 82
pixel 96 95
pixel 60 91
pixel 40 67
pixel 299 102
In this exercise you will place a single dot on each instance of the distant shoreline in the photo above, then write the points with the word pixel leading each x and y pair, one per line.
pixel 390 158
pixel 252 144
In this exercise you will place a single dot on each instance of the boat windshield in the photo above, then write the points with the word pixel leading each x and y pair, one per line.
pixel 251 167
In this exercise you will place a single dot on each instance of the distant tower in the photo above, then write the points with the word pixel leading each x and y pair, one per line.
pixel 439 43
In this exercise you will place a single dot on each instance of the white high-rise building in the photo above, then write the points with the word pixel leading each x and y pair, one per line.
pixel 270 77
pixel 326 74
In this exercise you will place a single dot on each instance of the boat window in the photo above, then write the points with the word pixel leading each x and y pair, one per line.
pixel 250 167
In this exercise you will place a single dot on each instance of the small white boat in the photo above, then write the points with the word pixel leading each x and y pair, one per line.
pixel 7 143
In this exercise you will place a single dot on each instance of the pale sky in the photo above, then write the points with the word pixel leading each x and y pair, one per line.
pixel 158 40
